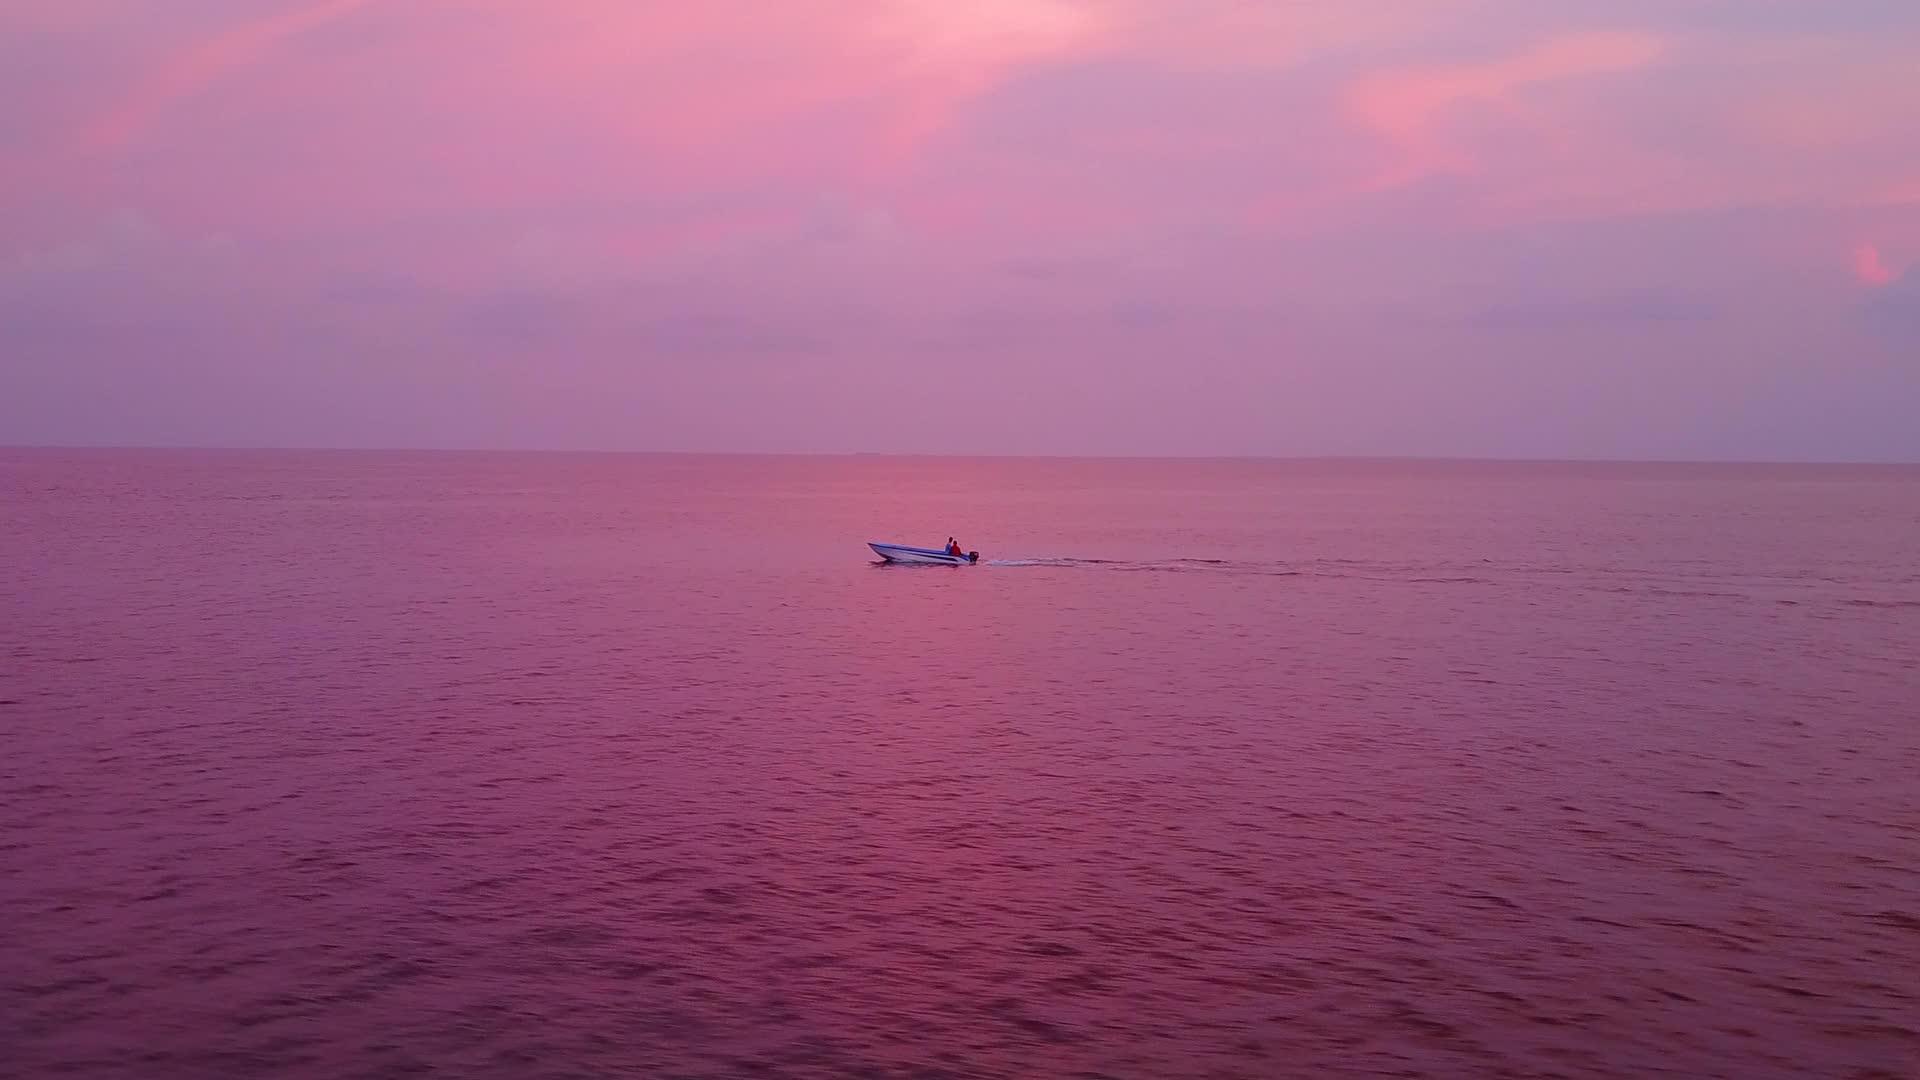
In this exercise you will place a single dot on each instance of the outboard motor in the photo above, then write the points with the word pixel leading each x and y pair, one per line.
pixel 973 556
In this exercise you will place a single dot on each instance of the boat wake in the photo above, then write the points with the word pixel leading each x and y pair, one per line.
pixel 1156 566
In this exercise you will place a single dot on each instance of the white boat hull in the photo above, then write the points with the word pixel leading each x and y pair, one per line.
pixel 900 553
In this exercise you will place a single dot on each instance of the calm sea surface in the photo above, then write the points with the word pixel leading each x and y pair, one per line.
pixel 339 765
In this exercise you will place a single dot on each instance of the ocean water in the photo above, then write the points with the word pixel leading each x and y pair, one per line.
pixel 366 765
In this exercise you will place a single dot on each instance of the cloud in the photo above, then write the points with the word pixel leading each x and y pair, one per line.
pixel 1894 310
pixel 197 68
pixel 1870 268
pixel 1409 108
pixel 1644 308
pixel 121 255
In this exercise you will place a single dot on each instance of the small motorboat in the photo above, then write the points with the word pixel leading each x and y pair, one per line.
pixel 900 553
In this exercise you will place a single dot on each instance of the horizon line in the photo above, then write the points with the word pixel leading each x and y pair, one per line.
pixel 1195 457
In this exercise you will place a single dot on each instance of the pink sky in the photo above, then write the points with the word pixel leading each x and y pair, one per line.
pixel 1537 228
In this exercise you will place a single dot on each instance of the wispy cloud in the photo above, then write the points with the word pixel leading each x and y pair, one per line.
pixel 200 66
pixel 1624 310
pixel 1410 108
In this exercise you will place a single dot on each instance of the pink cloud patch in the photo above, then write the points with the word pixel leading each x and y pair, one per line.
pixel 1870 267
pixel 1407 107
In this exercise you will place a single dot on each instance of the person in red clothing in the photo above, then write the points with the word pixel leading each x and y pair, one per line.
pixel 953 548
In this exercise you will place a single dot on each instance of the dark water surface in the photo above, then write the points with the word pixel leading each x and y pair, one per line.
pixel 337 765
